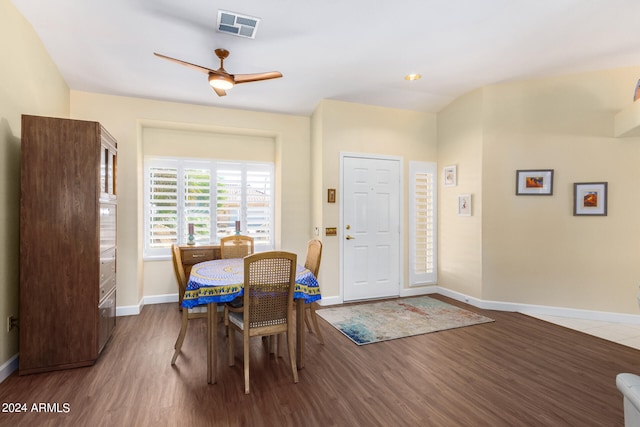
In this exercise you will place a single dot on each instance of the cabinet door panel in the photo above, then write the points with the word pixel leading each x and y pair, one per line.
pixel 107 226
pixel 107 321
pixel 107 272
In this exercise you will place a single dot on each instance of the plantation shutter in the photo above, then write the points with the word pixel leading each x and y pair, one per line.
pixel 229 199
pixel 245 193
pixel 422 223
pixel 259 218
pixel 161 204
pixel 197 203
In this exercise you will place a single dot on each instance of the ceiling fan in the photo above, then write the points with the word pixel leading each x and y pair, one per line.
pixel 220 80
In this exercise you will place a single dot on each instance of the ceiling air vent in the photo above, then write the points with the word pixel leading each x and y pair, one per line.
pixel 237 25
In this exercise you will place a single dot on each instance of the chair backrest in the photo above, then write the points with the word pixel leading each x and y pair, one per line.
pixel 314 255
pixel 178 268
pixel 269 285
pixel 236 247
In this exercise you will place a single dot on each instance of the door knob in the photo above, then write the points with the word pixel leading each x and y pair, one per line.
pixel 349 237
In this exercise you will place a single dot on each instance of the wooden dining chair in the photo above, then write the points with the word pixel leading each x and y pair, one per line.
pixel 236 246
pixel 269 286
pixel 186 313
pixel 312 262
pixel 178 269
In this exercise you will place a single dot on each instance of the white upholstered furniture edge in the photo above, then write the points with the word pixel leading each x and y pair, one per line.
pixel 629 386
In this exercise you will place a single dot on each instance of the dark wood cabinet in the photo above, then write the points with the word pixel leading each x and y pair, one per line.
pixel 68 209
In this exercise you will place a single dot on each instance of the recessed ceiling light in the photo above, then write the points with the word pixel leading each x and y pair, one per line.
pixel 412 76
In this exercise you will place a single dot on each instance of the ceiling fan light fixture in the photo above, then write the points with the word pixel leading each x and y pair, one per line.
pixel 220 81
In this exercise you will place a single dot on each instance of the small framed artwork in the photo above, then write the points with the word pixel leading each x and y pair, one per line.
pixel 590 198
pixel 449 176
pixel 464 205
pixel 636 94
pixel 331 195
pixel 534 182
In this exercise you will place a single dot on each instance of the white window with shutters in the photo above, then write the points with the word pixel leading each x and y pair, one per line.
pixel 209 194
pixel 161 206
pixel 244 193
pixel 423 223
pixel 196 201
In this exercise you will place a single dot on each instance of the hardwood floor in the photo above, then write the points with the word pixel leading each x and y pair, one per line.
pixel 516 371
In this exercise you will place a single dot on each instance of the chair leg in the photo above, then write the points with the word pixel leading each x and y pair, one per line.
pixel 292 353
pixel 314 318
pixel 284 340
pixel 183 332
pixel 231 339
pixel 274 345
pixel 225 320
pixel 267 342
pixel 306 320
pixel 246 361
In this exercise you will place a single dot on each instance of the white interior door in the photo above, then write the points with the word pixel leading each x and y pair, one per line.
pixel 371 220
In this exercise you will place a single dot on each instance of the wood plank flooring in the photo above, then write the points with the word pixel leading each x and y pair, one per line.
pixel 516 371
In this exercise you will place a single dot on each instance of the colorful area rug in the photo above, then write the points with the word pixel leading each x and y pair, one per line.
pixel 404 317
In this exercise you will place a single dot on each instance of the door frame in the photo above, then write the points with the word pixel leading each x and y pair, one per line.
pixel 401 242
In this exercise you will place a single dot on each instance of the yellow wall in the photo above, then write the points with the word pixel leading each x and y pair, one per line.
pixel 29 84
pixel 129 118
pixel 354 128
pixel 460 133
pixel 534 251
pixel 171 142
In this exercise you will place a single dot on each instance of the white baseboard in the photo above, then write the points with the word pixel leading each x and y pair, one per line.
pixel 129 310
pixel 9 367
pixel 412 292
pixel 134 310
pixel 330 301
pixel 422 290
pixel 532 309
pixel 160 299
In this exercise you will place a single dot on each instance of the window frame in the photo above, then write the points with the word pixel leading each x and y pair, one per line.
pixel 213 165
pixel 416 231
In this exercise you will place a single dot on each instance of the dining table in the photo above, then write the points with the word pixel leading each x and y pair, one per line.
pixel 222 280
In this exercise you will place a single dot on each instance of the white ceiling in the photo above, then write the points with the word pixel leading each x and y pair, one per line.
pixel 349 50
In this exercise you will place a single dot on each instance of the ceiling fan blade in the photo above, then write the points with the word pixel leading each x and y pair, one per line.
pixel 220 92
pixel 186 64
pixel 246 78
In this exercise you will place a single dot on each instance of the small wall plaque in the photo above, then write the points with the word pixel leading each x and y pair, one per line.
pixel 330 231
pixel 331 195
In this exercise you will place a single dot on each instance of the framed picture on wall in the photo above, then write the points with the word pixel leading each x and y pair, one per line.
pixel 534 182
pixel 449 176
pixel 464 205
pixel 590 198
